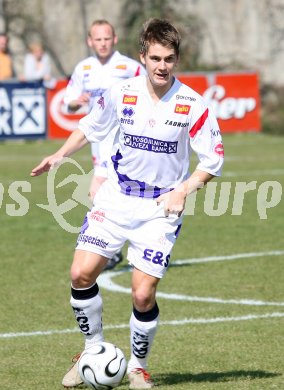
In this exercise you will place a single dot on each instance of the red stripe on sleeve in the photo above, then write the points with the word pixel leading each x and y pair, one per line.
pixel 198 124
pixel 137 73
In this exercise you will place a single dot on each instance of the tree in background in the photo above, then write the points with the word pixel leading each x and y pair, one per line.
pixel 24 26
pixel 190 27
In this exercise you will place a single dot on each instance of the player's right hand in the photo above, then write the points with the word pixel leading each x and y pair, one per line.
pixel 84 98
pixel 46 164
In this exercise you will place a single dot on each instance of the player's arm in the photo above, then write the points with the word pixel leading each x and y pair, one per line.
pixel 74 143
pixel 198 179
pixel 209 150
pixel 174 201
pixel 82 100
pixel 75 96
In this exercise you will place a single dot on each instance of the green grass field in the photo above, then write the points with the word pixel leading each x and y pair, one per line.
pixel 222 314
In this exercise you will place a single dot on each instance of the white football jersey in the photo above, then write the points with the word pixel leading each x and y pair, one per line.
pixel 92 76
pixel 154 142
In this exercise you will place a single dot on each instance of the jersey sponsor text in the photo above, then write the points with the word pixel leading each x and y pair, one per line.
pixel 129 99
pixel 177 124
pixel 150 144
pixel 182 109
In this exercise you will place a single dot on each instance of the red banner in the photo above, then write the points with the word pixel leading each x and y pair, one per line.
pixel 60 122
pixel 234 97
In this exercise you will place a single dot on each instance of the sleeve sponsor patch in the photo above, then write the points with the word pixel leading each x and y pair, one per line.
pixel 219 149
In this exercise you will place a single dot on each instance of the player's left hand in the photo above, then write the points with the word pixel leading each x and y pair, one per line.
pixel 174 202
pixel 47 164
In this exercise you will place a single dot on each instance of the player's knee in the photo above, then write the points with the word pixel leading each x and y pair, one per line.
pixel 142 300
pixel 79 278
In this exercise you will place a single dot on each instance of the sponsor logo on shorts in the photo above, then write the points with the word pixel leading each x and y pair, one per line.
pixel 150 144
pixel 85 239
pixel 129 99
pixel 182 109
pixel 98 215
pixel 156 257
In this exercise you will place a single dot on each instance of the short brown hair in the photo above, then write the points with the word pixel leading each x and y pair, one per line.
pixel 101 22
pixel 159 31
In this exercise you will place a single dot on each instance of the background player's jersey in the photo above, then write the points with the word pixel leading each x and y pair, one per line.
pixel 153 145
pixel 93 77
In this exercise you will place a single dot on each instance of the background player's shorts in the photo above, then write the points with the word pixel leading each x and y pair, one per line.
pixel 116 218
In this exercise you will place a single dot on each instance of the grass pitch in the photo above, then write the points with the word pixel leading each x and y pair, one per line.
pixel 221 301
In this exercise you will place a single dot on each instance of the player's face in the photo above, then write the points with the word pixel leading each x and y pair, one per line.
pixel 160 62
pixel 102 41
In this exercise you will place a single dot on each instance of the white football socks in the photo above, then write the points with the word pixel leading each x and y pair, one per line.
pixel 87 305
pixel 143 327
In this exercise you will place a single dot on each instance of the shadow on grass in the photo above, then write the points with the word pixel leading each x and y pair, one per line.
pixel 216 377
pixel 229 376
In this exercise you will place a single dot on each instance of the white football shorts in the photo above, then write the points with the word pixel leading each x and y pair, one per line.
pixel 116 218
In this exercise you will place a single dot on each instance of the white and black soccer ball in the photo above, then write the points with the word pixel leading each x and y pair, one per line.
pixel 102 366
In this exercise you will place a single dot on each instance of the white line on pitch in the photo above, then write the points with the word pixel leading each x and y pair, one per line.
pixel 235 256
pixel 184 321
pixel 105 281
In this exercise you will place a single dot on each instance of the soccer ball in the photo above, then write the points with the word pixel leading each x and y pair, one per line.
pixel 102 366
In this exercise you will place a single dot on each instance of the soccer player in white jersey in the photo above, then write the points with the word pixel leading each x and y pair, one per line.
pixel 161 121
pixel 90 79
